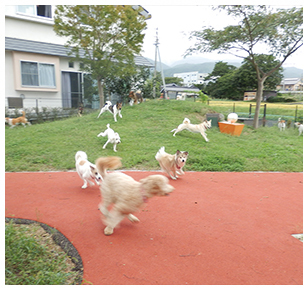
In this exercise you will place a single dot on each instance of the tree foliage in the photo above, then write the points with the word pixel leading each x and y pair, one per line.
pixel 281 30
pixel 104 38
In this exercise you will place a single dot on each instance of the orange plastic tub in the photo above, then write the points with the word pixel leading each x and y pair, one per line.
pixel 231 128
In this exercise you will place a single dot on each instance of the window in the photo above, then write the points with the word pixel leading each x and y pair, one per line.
pixel 36 10
pixel 38 74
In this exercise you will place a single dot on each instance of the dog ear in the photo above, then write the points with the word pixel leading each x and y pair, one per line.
pixel 178 152
pixel 185 153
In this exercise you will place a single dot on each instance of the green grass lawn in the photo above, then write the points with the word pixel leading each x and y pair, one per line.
pixel 146 127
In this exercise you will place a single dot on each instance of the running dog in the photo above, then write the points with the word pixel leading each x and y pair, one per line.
pixel 172 163
pixel 300 127
pixel 281 124
pixel 196 128
pixel 86 170
pixel 113 109
pixel 113 137
pixel 124 193
pixel 15 121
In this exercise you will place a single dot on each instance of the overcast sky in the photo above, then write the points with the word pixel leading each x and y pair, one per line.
pixel 174 24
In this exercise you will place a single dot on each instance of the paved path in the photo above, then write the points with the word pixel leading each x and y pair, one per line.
pixel 215 228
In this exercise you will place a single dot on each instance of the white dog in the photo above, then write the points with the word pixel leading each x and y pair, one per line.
pixel 113 137
pixel 197 128
pixel 281 124
pixel 124 193
pixel 300 127
pixel 86 170
pixel 113 109
pixel 171 163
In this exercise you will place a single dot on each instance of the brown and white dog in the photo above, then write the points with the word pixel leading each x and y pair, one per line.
pixel 113 109
pixel 196 128
pixel 300 127
pixel 124 193
pixel 172 163
pixel 86 170
pixel 136 97
pixel 19 120
pixel 281 124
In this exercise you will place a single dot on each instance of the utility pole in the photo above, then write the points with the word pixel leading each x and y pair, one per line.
pixel 161 67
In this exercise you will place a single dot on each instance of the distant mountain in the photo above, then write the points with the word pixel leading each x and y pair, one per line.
pixel 194 64
pixel 206 67
pixel 290 72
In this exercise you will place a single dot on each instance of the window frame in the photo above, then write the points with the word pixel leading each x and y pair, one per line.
pixel 38 63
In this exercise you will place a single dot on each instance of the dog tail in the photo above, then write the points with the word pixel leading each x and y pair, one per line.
pixel 108 125
pixel 23 114
pixel 104 163
pixel 160 153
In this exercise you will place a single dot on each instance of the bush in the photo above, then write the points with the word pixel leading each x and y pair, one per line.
pixel 280 99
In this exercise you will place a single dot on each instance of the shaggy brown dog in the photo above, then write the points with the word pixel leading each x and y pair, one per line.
pixel 126 194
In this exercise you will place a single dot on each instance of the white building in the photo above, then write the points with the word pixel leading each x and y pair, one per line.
pixel 193 77
pixel 38 70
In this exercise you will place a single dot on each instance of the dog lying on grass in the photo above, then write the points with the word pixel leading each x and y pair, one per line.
pixel 172 163
pixel 124 193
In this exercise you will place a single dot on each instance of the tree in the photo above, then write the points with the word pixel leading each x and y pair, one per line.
pixel 246 73
pixel 176 80
pixel 280 30
pixel 104 38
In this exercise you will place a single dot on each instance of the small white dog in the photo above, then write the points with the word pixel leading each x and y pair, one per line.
pixel 197 128
pixel 300 127
pixel 86 170
pixel 281 124
pixel 124 193
pixel 113 109
pixel 113 137
pixel 172 163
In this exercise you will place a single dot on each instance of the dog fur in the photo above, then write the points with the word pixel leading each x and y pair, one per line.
pixel 172 163
pixel 124 193
pixel 136 97
pixel 19 120
pixel 86 170
pixel 113 137
pixel 300 127
pixel 113 109
pixel 196 128
pixel 281 124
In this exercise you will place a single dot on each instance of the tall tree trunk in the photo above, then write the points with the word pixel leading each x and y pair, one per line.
pixel 100 86
pixel 258 102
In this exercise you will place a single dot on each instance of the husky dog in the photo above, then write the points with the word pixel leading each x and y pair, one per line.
pixel 172 163
pixel 113 137
pixel 197 128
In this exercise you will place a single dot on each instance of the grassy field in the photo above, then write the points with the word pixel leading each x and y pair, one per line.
pixel 32 258
pixel 143 130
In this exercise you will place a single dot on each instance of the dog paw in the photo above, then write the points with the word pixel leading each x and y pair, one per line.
pixel 108 231
pixel 133 219
pixel 84 186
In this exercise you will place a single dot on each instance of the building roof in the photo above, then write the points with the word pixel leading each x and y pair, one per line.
pixel 290 81
pixel 23 45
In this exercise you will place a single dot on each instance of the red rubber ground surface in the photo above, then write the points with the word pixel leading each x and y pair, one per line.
pixel 215 228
